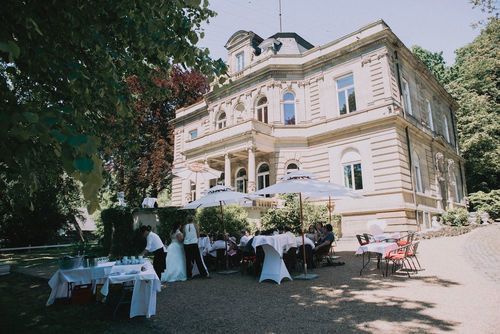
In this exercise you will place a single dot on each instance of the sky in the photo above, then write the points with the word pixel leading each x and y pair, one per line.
pixel 436 25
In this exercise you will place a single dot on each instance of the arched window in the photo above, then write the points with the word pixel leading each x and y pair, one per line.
pixel 221 121
pixel 289 108
pixel 353 173
pixel 291 167
pixel 418 174
pixel 262 110
pixel 263 176
pixel 241 180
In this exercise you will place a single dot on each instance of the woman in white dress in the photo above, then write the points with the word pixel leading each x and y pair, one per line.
pixel 176 260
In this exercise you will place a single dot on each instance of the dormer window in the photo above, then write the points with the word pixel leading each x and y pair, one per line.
pixel 193 134
pixel 221 121
pixel 240 61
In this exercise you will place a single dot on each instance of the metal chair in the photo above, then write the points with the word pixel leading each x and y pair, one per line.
pixel 398 256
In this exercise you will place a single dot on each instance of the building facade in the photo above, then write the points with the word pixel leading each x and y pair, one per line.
pixel 360 111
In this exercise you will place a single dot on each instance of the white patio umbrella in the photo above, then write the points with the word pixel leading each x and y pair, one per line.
pixel 195 171
pixel 302 182
pixel 220 196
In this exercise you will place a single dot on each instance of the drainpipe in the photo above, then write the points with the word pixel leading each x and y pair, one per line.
pixel 455 137
pixel 411 176
pixel 408 146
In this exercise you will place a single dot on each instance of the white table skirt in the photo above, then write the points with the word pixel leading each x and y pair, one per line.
pixel 59 281
pixel 273 268
pixel 377 247
pixel 146 286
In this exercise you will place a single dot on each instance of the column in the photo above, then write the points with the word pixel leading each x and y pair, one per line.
pixel 251 170
pixel 227 170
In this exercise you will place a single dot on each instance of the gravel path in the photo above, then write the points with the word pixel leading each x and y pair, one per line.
pixel 456 292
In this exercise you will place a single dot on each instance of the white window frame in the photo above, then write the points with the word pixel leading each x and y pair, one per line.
pixel 446 129
pixel 289 170
pixel 242 179
pixel 263 175
pixel 240 61
pixel 418 177
pixel 290 102
pixel 346 95
pixel 221 123
pixel 192 190
pixel 263 110
pixel 353 179
pixel 407 97
pixel 191 132
pixel 429 111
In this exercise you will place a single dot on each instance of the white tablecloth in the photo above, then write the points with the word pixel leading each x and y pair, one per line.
pixel 146 286
pixel 273 268
pixel 377 247
pixel 59 281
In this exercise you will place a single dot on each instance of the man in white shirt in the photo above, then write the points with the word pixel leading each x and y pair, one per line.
pixel 155 246
pixel 192 250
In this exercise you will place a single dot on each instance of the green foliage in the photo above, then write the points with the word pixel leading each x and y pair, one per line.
pixel 120 238
pixel 456 217
pixel 473 82
pixel 289 215
pixel 487 202
pixel 169 216
pixel 62 77
pixel 209 220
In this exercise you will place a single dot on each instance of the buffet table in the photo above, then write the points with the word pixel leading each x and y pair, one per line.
pixel 146 283
pixel 146 286
pixel 274 267
pixel 62 279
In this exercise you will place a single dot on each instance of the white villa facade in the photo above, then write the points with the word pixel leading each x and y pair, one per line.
pixel 360 111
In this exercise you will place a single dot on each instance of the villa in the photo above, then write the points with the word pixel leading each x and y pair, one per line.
pixel 361 111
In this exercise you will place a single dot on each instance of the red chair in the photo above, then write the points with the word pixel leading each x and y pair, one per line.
pixel 412 254
pixel 399 257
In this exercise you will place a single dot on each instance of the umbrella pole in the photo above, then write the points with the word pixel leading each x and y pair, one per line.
pixel 304 276
pixel 303 238
pixel 224 231
pixel 330 209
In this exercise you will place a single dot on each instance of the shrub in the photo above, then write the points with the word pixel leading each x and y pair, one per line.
pixel 289 215
pixel 168 216
pixel 456 217
pixel 488 202
pixel 120 238
pixel 235 219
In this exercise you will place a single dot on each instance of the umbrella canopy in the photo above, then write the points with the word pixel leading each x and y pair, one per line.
pixel 220 195
pixel 197 171
pixel 304 182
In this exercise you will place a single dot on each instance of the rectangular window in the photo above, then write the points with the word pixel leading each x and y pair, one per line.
pixel 418 179
pixel 193 191
pixel 353 176
pixel 406 97
pixel 446 129
pixel 193 134
pixel 240 61
pixel 289 109
pixel 346 95
pixel 429 111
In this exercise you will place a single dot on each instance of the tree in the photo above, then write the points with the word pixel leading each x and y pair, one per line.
pixel 209 220
pixel 473 82
pixel 147 142
pixel 62 76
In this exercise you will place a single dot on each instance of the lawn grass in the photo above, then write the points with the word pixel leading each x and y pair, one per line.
pixel 23 310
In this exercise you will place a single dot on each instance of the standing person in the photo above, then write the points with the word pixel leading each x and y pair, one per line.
pixel 155 246
pixel 176 260
pixel 191 249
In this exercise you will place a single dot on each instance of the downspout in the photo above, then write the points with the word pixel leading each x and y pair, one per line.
pixel 455 137
pixel 408 146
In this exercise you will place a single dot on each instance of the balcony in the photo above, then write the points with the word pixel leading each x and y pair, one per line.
pixel 233 131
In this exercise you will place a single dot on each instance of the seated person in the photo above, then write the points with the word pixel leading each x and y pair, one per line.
pixel 290 238
pixel 309 250
pixel 312 233
pixel 323 245
pixel 245 236
pixel 220 243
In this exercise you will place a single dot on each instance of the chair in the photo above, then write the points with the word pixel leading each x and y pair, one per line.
pixel 398 257
pixel 220 259
pixel 412 254
pixel 368 237
pixel 290 259
pixel 405 240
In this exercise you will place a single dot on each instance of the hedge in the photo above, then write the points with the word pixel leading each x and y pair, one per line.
pixel 119 237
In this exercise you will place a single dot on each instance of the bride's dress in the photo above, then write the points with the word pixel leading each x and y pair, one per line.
pixel 176 261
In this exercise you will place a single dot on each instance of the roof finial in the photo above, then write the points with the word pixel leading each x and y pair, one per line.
pixel 281 29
